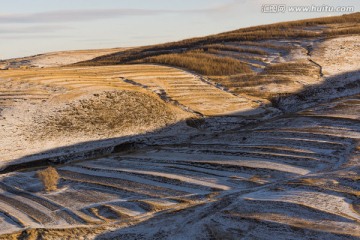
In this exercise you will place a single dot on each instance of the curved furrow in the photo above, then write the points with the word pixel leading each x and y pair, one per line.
pixel 37 216
pixel 59 210
pixel 326 203
pixel 189 173
pixel 316 228
pixel 122 181
pixel 9 222
pixel 249 153
pixel 160 176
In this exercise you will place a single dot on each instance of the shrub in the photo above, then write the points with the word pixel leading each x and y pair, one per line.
pixel 49 177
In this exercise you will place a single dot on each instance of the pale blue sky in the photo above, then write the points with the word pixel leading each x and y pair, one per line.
pixel 38 26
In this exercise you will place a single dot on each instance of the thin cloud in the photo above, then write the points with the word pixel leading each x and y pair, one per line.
pixel 72 15
pixel 35 36
pixel 91 15
pixel 32 29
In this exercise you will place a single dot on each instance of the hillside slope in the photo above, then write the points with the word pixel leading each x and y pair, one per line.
pixel 263 61
pixel 56 59
pixel 250 134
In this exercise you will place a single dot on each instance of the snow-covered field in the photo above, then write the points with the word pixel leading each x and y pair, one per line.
pixel 194 161
pixel 57 59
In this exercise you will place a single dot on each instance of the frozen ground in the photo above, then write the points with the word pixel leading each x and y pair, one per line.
pixel 204 163
pixel 56 59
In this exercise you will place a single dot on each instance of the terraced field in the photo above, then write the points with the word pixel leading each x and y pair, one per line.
pixel 42 103
pixel 146 151
pixel 297 172
pixel 172 84
pixel 284 66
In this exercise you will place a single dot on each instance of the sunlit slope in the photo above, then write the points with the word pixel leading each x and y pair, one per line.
pixel 262 61
pixel 78 104
pixel 56 59
pixel 250 134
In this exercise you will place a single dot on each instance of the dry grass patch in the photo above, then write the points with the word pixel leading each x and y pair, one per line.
pixel 49 177
pixel 264 44
pixel 220 47
pixel 259 80
pixel 357 148
pixel 250 84
pixel 343 31
pixel 201 62
pixel 304 69
pixel 316 182
pixel 107 114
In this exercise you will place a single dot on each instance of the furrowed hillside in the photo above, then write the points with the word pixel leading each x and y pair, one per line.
pixel 247 61
pixel 249 134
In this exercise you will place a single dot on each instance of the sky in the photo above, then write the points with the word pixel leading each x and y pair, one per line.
pixel 29 27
